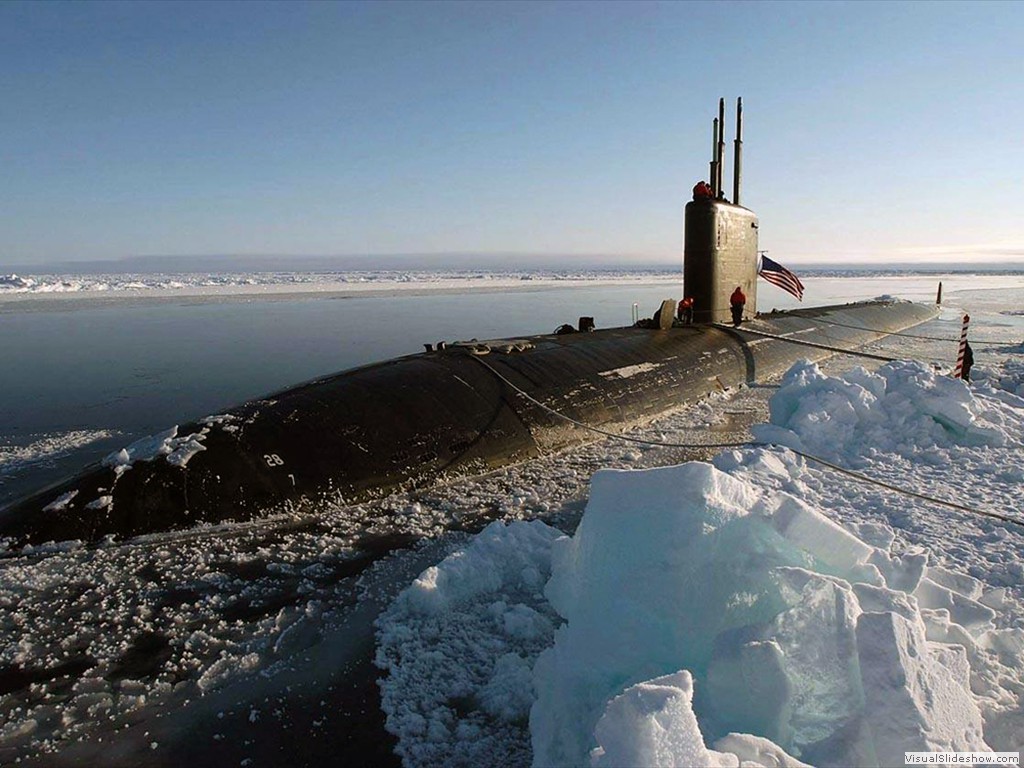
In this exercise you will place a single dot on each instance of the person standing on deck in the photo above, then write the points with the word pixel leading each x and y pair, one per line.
pixel 685 311
pixel 737 302
pixel 965 371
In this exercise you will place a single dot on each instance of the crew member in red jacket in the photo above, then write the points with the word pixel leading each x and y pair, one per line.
pixel 702 191
pixel 685 310
pixel 737 301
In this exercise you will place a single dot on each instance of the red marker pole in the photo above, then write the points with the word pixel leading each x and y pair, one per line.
pixel 958 372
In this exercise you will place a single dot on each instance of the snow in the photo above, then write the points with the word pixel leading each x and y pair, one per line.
pixel 469 625
pixel 629 371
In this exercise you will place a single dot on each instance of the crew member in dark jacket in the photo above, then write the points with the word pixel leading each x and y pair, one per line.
pixel 965 372
pixel 737 302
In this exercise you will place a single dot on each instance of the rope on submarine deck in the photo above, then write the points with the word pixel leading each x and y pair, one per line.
pixel 752 444
pixel 976 342
pixel 803 343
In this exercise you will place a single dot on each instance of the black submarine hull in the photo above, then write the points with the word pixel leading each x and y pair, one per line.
pixel 417 420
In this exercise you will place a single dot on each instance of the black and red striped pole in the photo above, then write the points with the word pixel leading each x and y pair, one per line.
pixel 958 372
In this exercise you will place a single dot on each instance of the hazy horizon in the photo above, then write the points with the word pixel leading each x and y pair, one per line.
pixel 484 262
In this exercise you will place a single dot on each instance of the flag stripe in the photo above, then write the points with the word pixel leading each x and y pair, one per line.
pixel 778 275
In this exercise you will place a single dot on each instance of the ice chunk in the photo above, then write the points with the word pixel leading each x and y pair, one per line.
pixel 663 561
pixel 879 600
pixel 144 449
pixel 878 535
pixel 298 631
pixel 757 751
pixel 1004 642
pixel 61 502
pixel 178 450
pixel 995 598
pixel 184 451
pixel 900 572
pixel 913 702
pixel 647 540
pixel 954 659
pixel 968 613
pixel 961 583
pixel 225 668
pixel 819 650
pixel 904 408
pixel 651 724
pixel 940 629
pixel 749 689
pixel 813 532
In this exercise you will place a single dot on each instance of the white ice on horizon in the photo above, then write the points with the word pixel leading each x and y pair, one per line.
pixel 837 284
pixel 813 641
pixel 358 281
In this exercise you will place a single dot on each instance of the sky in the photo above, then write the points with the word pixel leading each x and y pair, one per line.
pixel 885 132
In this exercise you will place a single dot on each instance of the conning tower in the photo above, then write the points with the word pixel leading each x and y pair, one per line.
pixel 720 245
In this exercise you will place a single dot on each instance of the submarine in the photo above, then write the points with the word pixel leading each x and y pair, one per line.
pixel 461 409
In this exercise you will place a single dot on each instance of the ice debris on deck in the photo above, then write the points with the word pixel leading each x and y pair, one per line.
pixel 177 450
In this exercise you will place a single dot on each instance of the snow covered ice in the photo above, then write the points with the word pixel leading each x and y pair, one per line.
pixel 758 611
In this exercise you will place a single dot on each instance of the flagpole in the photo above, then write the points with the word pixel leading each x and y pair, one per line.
pixel 682 268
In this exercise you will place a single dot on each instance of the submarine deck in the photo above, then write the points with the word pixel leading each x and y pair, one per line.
pixel 416 420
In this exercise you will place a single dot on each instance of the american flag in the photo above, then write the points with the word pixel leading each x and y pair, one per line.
pixel 776 274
